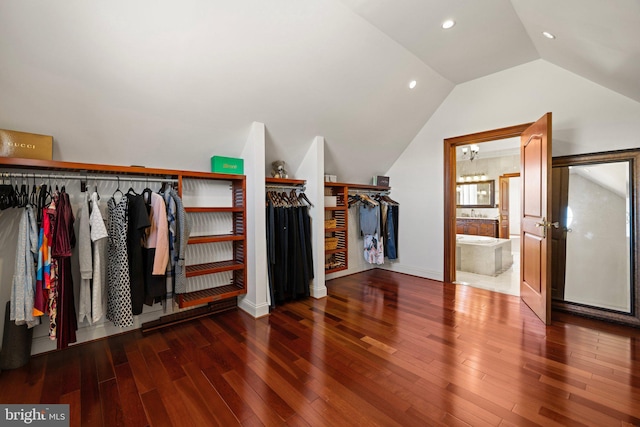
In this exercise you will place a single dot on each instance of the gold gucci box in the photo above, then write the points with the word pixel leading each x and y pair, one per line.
pixel 25 145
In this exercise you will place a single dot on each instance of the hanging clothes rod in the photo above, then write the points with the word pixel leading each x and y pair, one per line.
pixel 370 192
pixel 87 176
pixel 284 187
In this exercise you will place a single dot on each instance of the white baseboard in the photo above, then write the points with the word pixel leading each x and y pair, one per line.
pixel 85 332
pixel 414 271
pixel 253 309
pixel 318 293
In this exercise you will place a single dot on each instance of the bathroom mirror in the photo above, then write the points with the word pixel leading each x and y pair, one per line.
pixel 476 194
pixel 593 248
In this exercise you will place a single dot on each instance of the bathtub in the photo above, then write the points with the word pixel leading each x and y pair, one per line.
pixel 489 256
pixel 478 240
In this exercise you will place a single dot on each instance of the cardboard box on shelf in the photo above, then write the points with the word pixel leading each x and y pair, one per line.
pixel 25 145
pixel 232 165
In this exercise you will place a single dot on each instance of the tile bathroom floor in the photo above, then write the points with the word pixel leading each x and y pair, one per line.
pixel 506 283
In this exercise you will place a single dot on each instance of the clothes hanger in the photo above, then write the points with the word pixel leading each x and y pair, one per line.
pixel 304 196
pixel 33 197
pixel 113 196
pixel 95 187
pixel 24 195
pixel 293 197
pixel 147 193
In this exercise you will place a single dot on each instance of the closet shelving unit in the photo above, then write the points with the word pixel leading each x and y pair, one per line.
pixel 225 293
pixel 337 259
pixel 237 237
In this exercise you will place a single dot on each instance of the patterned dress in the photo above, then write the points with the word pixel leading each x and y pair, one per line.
pixel 119 309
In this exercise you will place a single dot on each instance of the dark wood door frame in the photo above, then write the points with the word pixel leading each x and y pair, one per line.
pixel 503 198
pixel 450 145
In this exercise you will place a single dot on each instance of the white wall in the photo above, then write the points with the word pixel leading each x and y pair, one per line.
pixel 168 84
pixel 586 118
pixel 312 170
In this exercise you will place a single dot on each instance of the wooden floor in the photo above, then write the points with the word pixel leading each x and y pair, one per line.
pixel 381 349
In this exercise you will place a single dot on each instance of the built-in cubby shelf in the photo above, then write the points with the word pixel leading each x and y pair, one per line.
pixel 336 259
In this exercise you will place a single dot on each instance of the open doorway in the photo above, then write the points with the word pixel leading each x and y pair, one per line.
pixel 535 170
pixel 487 252
pixel 450 184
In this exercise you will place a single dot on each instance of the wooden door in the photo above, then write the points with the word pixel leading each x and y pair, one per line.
pixel 503 184
pixel 535 253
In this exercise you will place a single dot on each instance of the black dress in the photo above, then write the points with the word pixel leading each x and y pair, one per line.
pixel 138 222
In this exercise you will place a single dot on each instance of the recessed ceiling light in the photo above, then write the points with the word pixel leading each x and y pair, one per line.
pixel 448 24
pixel 412 84
pixel 548 35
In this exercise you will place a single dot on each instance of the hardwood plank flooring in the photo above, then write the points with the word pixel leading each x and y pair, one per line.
pixel 383 349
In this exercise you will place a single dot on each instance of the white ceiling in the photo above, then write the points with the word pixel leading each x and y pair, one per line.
pixel 599 40
pixel 169 84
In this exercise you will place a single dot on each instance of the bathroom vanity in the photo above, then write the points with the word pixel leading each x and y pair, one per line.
pixel 477 226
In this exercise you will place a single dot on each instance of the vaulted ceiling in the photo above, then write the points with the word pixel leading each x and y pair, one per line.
pixel 169 84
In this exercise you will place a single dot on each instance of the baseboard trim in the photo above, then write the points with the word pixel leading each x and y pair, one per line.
pixel 253 309
pixel 414 271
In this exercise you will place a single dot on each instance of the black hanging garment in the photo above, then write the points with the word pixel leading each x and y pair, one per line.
pixel 138 222
pixel 289 252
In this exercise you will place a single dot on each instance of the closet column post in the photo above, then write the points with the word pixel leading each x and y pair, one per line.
pixel 255 301
pixel 312 169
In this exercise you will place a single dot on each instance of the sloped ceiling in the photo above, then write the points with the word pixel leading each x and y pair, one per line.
pixel 595 39
pixel 168 84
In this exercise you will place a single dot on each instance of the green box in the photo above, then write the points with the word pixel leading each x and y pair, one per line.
pixel 221 164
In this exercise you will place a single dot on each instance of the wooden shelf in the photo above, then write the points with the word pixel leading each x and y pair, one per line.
pixel 209 295
pixel 336 208
pixel 212 209
pixel 334 269
pixel 284 181
pixel 335 230
pixel 212 267
pixel 101 168
pixel 334 251
pixel 215 238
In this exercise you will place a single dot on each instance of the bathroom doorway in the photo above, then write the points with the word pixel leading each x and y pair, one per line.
pixel 488 215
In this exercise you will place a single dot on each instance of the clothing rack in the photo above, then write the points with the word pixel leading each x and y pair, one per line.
pixel 86 176
pixel 369 192
pixel 277 187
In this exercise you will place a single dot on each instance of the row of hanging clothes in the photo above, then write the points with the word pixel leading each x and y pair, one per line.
pixel 289 249
pixel 378 216
pixel 124 254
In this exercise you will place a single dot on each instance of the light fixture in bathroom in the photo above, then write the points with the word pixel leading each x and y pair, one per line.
pixel 472 177
pixel 412 84
pixel 470 152
pixel 449 23
pixel 548 35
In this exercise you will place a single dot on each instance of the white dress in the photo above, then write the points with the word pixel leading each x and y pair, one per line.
pixel 24 275
pixel 98 237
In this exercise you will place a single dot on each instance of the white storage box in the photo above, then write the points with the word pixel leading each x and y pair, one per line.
pixel 330 201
